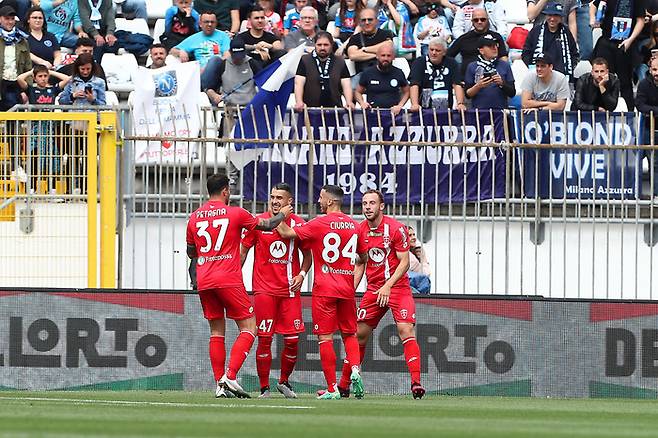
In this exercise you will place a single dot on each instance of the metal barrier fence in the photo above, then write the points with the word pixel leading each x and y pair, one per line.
pixel 541 203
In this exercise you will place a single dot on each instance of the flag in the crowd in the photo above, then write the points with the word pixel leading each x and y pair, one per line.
pixel 261 118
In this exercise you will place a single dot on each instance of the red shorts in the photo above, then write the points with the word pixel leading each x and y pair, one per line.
pixel 278 314
pixel 401 304
pixel 331 314
pixel 232 299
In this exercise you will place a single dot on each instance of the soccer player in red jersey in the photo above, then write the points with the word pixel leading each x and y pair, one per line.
pixel 277 280
pixel 384 249
pixel 213 238
pixel 332 239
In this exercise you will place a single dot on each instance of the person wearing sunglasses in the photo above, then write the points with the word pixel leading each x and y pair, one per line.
pixel 362 47
pixel 468 45
pixel 463 18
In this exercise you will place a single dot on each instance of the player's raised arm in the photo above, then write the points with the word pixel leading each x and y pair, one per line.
pixel 272 222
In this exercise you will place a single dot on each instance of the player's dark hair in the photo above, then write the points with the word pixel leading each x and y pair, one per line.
pixel 335 191
pixel 39 69
pixel 283 186
pixel 376 192
pixel 600 61
pixel 256 8
pixel 323 34
pixel 216 183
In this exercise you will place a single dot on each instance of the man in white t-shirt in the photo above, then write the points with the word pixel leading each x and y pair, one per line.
pixel 544 88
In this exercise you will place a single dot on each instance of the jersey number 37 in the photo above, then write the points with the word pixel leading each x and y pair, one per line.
pixel 202 231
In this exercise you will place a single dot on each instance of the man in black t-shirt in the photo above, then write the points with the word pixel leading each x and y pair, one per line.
pixel 384 83
pixel 436 79
pixel 322 77
pixel 362 47
pixel 261 46
pixel 468 45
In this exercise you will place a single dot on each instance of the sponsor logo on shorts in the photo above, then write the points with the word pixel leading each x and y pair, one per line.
pixel 297 323
pixel 376 255
pixel 278 249
pixel 403 313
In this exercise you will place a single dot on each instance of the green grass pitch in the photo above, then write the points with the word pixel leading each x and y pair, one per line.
pixel 196 414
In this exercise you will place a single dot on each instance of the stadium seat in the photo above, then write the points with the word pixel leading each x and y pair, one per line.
pixel 138 25
pixel 331 26
pixel 582 68
pixel 622 107
pixel 403 65
pixel 516 11
pixel 351 67
pixel 157 8
pixel 119 70
pixel 111 98
pixel 596 34
pixel 519 70
pixel 158 29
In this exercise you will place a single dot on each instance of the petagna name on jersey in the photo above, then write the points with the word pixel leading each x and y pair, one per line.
pixel 342 225
pixel 210 213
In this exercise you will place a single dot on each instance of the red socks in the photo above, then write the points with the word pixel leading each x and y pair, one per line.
pixel 328 361
pixel 217 352
pixel 350 353
pixel 264 360
pixel 412 356
pixel 239 353
pixel 352 350
pixel 288 356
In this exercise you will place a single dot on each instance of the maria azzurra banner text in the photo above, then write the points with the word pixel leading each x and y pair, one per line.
pixel 438 167
pixel 435 169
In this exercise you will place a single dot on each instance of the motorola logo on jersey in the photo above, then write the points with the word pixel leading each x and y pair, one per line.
pixel 278 249
pixel 376 255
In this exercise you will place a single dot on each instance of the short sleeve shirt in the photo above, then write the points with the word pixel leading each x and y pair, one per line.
pixel 556 89
pixel 44 48
pixel 42 96
pixel 205 46
pixel 437 78
pixel 491 96
pixel 383 88
pixel 382 245
pixel 221 8
pixel 359 40
pixel 276 260
pixel 251 40
pixel 215 230
pixel 621 19
pixel 333 240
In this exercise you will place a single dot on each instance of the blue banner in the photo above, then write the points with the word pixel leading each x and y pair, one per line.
pixel 433 171
pixel 580 173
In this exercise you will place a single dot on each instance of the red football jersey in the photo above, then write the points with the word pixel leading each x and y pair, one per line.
pixel 381 244
pixel 333 241
pixel 276 260
pixel 215 230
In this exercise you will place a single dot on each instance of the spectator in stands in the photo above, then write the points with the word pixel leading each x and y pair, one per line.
pixel 598 90
pixel 291 21
pixel 431 26
pixel 347 18
pixel 131 9
pixel 203 45
pixel 61 16
pixel 181 21
pixel 362 47
pixel 44 48
pixel 227 13
pixel 621 25
pixel 648 49
pixel 468 45
pixel 97 18
pixel 233 85
pixel 436 80
pixel 158 53
pixel 322 78
pixel 544 88
pixel 489 80
pixel 41 92
pixel 307 30
pixel 647 103
pixel 393 15
pixel 417 258
pixel 537 14
pixel 273 21
pixel 86 87
pixel 384 84
pixel 554 39
pixel 463 19
pixel 262 46
pixel 14 57
pixel 83 45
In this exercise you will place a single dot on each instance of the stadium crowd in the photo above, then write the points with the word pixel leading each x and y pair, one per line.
pixel 420 53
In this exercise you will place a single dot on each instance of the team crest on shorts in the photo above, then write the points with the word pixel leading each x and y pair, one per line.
pixel 403 313
pixel 297 323
pixel 251 309
pixel 317 327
